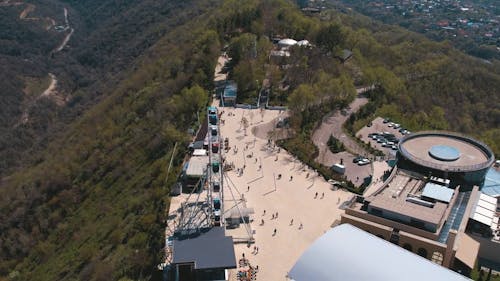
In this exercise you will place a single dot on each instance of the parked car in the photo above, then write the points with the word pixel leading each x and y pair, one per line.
pixel 386 120
pixel 357 159
pixel 396 126
pixel 363 162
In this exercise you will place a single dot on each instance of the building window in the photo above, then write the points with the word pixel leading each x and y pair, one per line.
pixel 422 252
pixel 437 257
pixel 376 212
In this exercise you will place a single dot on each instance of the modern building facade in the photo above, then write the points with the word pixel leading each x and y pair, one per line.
pixel 426 203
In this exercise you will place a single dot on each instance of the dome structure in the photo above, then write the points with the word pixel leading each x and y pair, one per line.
pixel 287 42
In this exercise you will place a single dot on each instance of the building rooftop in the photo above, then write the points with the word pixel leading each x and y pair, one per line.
pixel 209 250
pixel 446 151
pixel 332 256
pixel 491 185
pixel 197 166
pixel 438 192
pixel 394 196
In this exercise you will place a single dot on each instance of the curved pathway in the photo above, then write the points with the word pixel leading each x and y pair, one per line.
pixel 332 125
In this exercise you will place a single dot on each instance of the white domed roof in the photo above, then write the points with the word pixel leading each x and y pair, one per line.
pixel 287 42
pixel 303 43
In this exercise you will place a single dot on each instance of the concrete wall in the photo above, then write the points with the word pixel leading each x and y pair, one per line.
pixel 409 241
pixel 364 215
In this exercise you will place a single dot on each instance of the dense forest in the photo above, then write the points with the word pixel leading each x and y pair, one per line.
pixel 84 185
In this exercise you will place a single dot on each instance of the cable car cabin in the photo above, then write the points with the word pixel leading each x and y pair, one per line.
pixel 215 147
pixel 212 119
pixel 217 204
pixel 216 186
pixel 215 167
pixel 217 217
pixel 213 131
pixel 212 110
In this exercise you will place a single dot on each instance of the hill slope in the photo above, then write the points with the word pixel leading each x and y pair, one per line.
pixel 91 207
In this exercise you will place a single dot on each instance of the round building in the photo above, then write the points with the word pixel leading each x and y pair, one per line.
pixel 453 156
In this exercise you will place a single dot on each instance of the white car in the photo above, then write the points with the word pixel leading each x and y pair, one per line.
pixel 364 162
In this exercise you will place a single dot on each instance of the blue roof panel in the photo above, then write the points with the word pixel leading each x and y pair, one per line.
pixel 491 184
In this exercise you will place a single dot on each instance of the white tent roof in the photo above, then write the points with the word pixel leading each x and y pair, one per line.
pixel 287 42
pixel 349 253
pixel 303 43
pixel 199 152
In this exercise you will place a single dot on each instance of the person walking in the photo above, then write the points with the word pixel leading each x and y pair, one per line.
pixel 301 226
pixel 274 233
pixel 291 222
pixel 276 215
pixel 316 195
pixel 248 188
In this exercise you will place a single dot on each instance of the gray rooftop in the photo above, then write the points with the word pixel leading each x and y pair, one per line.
pixel 393 195
pixel 348 253
pixel 197 166
pixel 438 192
pixel 211 249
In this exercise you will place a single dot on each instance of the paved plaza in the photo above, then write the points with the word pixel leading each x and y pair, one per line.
pixel 299 195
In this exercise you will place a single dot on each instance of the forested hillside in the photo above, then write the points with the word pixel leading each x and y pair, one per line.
pixel 108 37
pixel 88 203
pixel 91 206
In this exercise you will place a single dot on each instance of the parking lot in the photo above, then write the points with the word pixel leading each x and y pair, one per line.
pixel 382 135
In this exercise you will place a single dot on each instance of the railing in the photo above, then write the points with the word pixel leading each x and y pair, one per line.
pixel 460 168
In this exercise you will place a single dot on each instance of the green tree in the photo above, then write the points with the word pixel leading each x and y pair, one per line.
pixel 330 37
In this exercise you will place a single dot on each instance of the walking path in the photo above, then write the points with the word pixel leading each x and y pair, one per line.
pixel 299 195
pixel 332 125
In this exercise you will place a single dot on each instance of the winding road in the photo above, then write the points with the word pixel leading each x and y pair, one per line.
pixel 332 125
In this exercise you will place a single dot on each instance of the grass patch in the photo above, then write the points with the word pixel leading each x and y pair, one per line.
pixel 34 86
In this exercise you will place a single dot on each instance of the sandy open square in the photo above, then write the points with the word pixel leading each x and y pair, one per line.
pixel 306 198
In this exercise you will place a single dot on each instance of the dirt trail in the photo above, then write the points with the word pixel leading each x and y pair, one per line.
pixel 65 41
pixel 68 36
pixel 52 86
pixel 29 8
pixel 7 3
pixel 51 93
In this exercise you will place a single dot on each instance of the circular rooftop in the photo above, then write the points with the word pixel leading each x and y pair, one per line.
pixel 446 151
